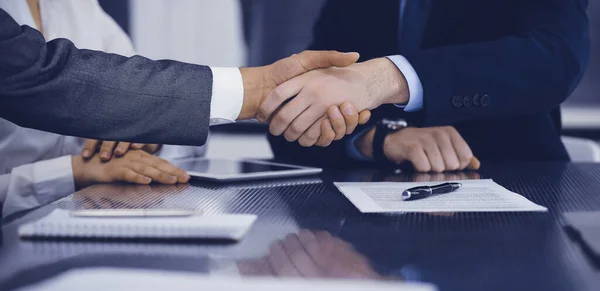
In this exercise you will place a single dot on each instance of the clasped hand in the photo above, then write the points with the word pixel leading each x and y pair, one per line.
pixel 315 96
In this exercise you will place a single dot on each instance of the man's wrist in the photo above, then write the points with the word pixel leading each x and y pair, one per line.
pixel 78 165
pixel 256 85
pixel 364 144
pixel 385 82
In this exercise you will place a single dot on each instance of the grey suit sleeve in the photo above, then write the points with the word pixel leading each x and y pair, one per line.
pixel 58 88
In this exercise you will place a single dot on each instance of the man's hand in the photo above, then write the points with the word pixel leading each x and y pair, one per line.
pixel 108 149
pixel 338 122
pixel 260 82
pixel 365 85
pixel 311 254
pixel 434 149
pixel 135 166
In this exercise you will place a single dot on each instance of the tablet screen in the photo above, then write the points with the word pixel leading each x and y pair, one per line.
pixel 229 167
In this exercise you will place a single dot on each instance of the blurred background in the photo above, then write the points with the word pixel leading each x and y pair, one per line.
pixel 259 32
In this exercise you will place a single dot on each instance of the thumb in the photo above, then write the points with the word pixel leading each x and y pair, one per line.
pixel 364 116
pixel 474 164
pixel 311 60
pixel 296 65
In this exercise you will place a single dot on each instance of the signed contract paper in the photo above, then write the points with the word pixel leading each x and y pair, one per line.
pixel 473 196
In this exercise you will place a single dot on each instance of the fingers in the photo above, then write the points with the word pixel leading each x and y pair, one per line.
pixel 299 257
pixel 350 116
pixel 282 122
pixel 106 150
pixel 327 134
pixel 416 155
pixel 450 158
pixel 434 155
pixel 122 148
pixel 288 69
pixel 462 149
pixel 277 98
pixel 151 148
pixel 303 122
pixel 129 175
pixel 153 173
pixel 280 262
pixel 164 167
pixel 312 135
pixel 337 121
pixel 137 146
pixel 89 148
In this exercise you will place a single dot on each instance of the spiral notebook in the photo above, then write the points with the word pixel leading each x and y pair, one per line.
pixel 61 224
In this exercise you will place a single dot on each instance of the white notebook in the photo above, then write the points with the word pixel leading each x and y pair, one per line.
pixel 60 224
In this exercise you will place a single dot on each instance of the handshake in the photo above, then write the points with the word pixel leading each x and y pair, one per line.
pixel 315 97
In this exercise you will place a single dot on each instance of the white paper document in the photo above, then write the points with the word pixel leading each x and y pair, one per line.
pixel 102 279
pixel 473 196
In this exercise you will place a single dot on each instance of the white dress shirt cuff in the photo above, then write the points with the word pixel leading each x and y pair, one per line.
pixel 38 184
pixel 415 88
pixel 227 95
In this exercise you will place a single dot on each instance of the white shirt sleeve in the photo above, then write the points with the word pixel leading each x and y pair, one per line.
pixel 415 88
pixel 172 152
pixel 38 184
pixel 227 95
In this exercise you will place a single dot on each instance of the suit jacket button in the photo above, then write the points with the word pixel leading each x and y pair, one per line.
pixel 457 101
pixel 467 101
pixel 485 100
pixel 477 100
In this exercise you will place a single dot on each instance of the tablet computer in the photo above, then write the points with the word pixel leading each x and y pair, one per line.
pixel 234 170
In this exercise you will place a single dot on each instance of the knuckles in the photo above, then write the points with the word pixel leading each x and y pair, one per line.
pixel 296 129
pixel 281 118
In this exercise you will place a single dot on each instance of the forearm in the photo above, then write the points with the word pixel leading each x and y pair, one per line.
pixel 134 99
pixel 384 81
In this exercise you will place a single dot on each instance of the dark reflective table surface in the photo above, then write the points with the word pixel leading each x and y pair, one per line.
pixel 307 228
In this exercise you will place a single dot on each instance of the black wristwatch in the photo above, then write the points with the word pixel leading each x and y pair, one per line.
pixel 383 128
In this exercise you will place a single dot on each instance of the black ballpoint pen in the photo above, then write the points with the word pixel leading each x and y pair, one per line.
pixel 417 193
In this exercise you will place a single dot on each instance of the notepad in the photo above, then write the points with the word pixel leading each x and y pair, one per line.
pixel 60 224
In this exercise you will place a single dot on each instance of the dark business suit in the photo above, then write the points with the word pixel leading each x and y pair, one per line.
pixel 497 70
pixel 58 88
